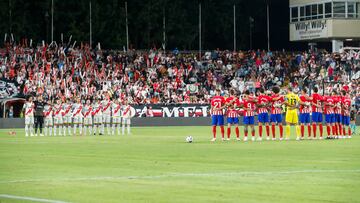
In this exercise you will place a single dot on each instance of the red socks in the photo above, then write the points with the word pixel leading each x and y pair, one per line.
pixel 260 130
pixel 273 130
pixel 228 132
pixel 309 130
pixel 214 131
pixel 349 131
pixel 281 131
pixel 314 129
pixel 328 131
pixel 321 129
pixel 222 131
pixel 267 130
pixel 237 132
pixel 336 129
pixel 302 130
pixel 333 129
pixel 253 133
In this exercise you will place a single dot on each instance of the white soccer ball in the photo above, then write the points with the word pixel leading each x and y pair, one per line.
pixel 189 139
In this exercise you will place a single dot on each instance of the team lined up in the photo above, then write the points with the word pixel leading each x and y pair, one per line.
pixel 336 109
pixel 62 118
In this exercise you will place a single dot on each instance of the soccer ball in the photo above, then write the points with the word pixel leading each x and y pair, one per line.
pixel 189 139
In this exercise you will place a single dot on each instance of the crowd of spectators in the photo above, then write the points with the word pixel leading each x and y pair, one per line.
pixel 150 77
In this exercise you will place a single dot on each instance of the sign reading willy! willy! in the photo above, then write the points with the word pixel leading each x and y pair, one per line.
pixel 308 30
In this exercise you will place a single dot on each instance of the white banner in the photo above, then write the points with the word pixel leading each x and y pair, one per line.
pixel 308 30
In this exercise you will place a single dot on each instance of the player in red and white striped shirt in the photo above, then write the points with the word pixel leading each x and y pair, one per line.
pixel 263 101
pixel 329 103
pixel 305 109
pixel 276 111
pixel 317 115
pixel 217 115
pixel 338 115
pixel 248 104
pixel 232 114
pixel 346 107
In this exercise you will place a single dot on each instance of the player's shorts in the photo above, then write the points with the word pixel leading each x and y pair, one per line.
pixel 346 120
pixel 107 119
pixel 276 118
pixel 67 119
pixel 263 118
pixel 316 117
pixel 217 120
pixel 78 120
pixel 58 120
pixel 249 120
pixel 126 121
pixel 330 118
pixel 88 120
pixel 291 116
pixel 49 121
pixel 338 118
pixel 305 118
pixel 98 119
pixel 29 120
pixel 116 120
pixel 234 120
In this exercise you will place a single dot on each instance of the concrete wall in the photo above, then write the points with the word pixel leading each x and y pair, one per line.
pixel 6 123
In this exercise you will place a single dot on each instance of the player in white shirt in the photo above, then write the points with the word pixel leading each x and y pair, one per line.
pixel 97 113
pixel 116 116
pixel 87 112
pixel 106 110
pixel 77 116
pixel 48 114
pixel 67 117
pixel 58 117
pixel 29 117
pixel 127 112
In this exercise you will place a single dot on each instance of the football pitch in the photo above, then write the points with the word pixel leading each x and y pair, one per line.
pixel 154 164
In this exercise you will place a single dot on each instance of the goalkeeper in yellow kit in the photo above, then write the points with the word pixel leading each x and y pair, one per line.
pixel 292 102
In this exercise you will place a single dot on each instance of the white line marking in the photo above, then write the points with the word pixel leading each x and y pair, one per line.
pixel 216 174
pixel 30 199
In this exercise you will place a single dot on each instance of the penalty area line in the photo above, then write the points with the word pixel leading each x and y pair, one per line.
pixel 33 199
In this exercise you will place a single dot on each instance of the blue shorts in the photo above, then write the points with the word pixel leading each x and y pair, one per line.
pixel 305 118
pixel 346 120
pixel 330 118
pixel 276 118
pixel 217 120
pixel 317 117
pixel 233 120
pixel 249 120
pixel 338 118
pixel 263 118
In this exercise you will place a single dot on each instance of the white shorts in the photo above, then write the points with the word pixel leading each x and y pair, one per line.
pixel 29 120
pixel 126 121
pixel 48 121
pixel 67 119
pixel 107 119
pixel 78 120
pixel 97 119
pixel 88 120
pixel 116 120
pixel 58 120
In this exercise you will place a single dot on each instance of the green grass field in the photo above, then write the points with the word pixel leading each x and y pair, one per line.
pixel 156 165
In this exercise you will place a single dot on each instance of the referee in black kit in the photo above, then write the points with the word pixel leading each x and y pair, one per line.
pixel 39 114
